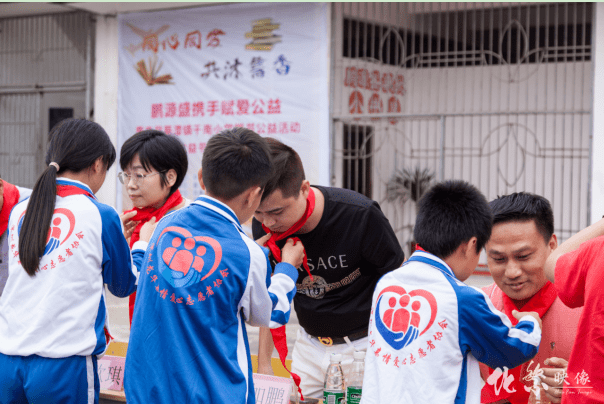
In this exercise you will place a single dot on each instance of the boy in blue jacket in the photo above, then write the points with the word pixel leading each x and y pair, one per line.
pixel 428 330
pixel 201 278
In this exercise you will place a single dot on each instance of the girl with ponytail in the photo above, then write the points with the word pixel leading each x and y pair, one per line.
pixel 64 246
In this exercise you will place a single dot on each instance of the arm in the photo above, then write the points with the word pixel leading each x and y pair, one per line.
pixel 140 247
pixel 593 231
pixel 489 335
pixel 265 351
pixel 380 245
pixel 265 338
pixel 267 300
pixel 117 265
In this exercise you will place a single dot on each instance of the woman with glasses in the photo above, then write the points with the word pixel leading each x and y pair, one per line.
pixel 64 246
pixel 154 165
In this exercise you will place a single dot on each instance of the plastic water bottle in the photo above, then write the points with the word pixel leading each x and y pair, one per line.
pixel 333 393
pixel 355 379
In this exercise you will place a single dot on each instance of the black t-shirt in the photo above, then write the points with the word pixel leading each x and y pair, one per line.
pixel 350 249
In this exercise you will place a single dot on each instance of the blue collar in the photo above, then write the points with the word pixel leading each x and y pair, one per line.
pixel 432 260
pixel 81 185
pixel 218 207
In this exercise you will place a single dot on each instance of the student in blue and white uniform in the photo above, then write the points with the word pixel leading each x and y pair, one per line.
pixel 428 330
pixel 68 245
pixel 202 278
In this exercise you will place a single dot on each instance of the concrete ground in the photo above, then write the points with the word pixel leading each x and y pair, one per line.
pixel 118 319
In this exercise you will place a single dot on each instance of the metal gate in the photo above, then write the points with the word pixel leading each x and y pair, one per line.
pixel 498 94
pixel 43 60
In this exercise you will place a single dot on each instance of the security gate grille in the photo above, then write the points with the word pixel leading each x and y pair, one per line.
pixel 497 94
pixel 39 56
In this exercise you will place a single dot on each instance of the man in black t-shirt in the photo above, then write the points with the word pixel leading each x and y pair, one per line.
pixel 349 244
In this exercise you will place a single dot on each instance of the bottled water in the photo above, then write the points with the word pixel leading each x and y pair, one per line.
pixel 333 393
pixel 355 379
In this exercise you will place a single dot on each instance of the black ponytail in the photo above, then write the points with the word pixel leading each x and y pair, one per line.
pixel 75 144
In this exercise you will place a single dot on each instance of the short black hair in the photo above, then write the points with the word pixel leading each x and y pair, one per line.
pixel 158 151
pixel 235 160
pixel 289 171
pixel 451 213
pixel 523 207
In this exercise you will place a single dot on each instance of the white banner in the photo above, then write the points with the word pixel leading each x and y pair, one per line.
pixel 194 72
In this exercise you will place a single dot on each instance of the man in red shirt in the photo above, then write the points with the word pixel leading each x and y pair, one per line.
pixel 576 268
pixel 521 241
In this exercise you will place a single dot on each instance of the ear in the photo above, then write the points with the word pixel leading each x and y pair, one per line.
pixel 171 177
pixel 98 166
pixel 553 242
pixel 200 179
pixel 252 197
pixel 305 188
pixel 469 246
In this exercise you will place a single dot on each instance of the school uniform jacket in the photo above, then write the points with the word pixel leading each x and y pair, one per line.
pixel 202 277
pixel 61 311
pixel 427 333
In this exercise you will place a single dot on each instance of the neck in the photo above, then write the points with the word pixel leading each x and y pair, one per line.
pixel 234 204
pixel 80 176
pixel 162 203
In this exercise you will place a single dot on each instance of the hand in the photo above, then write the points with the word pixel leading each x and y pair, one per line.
pixel 264 239
pixel 129 225
pixel 551 387
pixel 265 370
pixel 148 229
pixel 292 254
pixel 520 314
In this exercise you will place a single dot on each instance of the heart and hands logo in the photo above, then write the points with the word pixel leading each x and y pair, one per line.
pixel 401 316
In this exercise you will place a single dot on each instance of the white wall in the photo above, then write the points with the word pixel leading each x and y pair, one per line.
pixel 105 96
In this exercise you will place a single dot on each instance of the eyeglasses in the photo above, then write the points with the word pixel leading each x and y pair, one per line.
pixel 137 177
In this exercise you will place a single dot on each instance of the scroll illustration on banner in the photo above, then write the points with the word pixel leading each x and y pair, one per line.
pixel 228 66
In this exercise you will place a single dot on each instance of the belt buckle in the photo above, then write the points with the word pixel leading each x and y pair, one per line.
pixel 327 341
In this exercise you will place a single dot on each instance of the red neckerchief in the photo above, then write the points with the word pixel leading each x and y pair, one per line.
pixel 11 197
pixel 279 336
pixel 540 302
pixel 272 242
pixel 68 190
pixel 144 215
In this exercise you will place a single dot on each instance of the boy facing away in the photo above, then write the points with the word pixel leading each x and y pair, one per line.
pixel 201 278
pixel 428 330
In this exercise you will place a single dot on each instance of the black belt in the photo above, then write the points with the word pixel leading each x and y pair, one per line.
pixel 329 341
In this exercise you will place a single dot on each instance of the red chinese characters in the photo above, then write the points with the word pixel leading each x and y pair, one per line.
pixel 184 109
pixel 193 40
pixel 213 37
pixel 412 357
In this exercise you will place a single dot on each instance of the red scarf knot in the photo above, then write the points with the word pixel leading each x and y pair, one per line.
pixel 143 215
pixel 272 242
